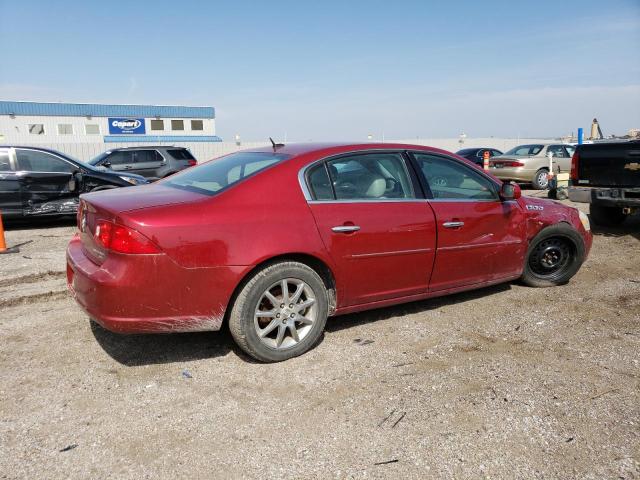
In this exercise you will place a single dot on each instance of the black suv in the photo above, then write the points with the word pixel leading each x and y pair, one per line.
pixel 150 162
pixel 39 181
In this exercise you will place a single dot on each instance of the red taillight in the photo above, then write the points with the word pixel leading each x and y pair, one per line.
pixel 508 163
pixel 122 239
pixel 192 162
pixel 575 160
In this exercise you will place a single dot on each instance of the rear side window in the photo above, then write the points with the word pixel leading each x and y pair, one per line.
pixel 319 182
pixel 370 176
pixel 5 166
pixel 449 179
pixel 180 154
pixel 142 156
pixel 216 175
pixel 525 150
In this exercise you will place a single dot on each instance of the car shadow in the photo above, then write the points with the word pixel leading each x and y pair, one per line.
pixel 33 223
pixel 150 349
pixel 342 322
pixel 631 226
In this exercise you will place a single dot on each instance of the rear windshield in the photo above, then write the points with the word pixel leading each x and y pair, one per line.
pixel 464 151
pixel 181 154
pixel 211 177
pixel 524 150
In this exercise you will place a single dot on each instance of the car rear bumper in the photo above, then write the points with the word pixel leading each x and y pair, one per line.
pixel 614 197
pixel 149 293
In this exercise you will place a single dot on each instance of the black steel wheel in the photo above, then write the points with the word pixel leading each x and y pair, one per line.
pixel 554 256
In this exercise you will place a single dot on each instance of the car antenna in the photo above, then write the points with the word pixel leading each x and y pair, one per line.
pixel 275 145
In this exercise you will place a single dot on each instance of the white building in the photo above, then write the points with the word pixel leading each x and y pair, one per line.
pixel 84 130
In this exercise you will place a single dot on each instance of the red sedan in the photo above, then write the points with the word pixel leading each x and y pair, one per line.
pixel 275 240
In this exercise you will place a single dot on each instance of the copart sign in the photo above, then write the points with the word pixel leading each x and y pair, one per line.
pixel 123 126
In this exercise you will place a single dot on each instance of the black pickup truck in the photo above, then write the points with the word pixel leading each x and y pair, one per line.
pixel 607 176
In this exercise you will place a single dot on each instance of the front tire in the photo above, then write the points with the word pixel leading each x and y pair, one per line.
pixel 540 179
pixel 554 256
pixel 280 312
pixel 606 216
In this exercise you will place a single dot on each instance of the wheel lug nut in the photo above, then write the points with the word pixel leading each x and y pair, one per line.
pixel 277 315
pixel 292 315
pixel 291 305
pixel 282 305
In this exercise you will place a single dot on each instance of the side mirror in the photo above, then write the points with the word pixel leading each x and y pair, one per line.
pixel 106 164
pixel 510 191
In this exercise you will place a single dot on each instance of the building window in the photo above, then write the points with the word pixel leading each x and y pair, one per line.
pixel 36 129
pixel 65 129
pixel 92 129
pixel 177 124
pixel 197 125
pixel 157 124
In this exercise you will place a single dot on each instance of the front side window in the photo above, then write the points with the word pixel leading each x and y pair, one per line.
pixel 157 124
pixel 197 125
pixel 448 179
pixel 37 161
pixel 92 129
pixel 120 158
pixel 36 129
pixel 65 129
pixel 177 124
pixel 211 177
pixel 370 176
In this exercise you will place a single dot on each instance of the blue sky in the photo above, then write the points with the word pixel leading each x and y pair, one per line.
pixel 338 70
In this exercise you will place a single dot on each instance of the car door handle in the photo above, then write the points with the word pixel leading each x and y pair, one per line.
pixel 452 224
pixel 346 228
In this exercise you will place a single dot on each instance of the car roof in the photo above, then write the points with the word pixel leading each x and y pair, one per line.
pixel 145 147
pixel 296 149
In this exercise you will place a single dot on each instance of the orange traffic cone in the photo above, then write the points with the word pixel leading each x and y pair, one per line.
pixel 3 244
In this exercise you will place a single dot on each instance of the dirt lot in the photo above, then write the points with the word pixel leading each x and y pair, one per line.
pixel 504 382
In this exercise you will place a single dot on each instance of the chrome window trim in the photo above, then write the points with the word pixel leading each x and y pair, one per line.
pixel 307 193
pixel 479 172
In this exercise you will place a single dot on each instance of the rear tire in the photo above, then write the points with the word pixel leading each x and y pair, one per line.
pixel 540 180
pixel 271 324
pixel 554 256
pixel 606 216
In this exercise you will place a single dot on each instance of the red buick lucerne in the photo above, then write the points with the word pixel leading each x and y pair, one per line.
pixel 275 240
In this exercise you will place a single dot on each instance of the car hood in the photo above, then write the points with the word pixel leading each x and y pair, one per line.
pixel 143 196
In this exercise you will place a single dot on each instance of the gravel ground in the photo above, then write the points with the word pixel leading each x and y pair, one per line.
pixel 503 382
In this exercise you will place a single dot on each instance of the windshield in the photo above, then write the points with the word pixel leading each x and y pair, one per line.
pixel 96 160
pixel 465 151
pixel 525 150
pixel 211 177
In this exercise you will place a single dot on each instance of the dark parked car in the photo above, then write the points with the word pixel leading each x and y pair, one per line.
pixel 274 240
pixel 40 181
pixel 475 154
pixel 150 162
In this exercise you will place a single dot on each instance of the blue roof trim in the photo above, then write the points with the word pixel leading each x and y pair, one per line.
pixel 98 110
pixel 160 138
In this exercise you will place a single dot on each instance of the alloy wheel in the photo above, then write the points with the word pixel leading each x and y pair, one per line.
pixel 285 313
